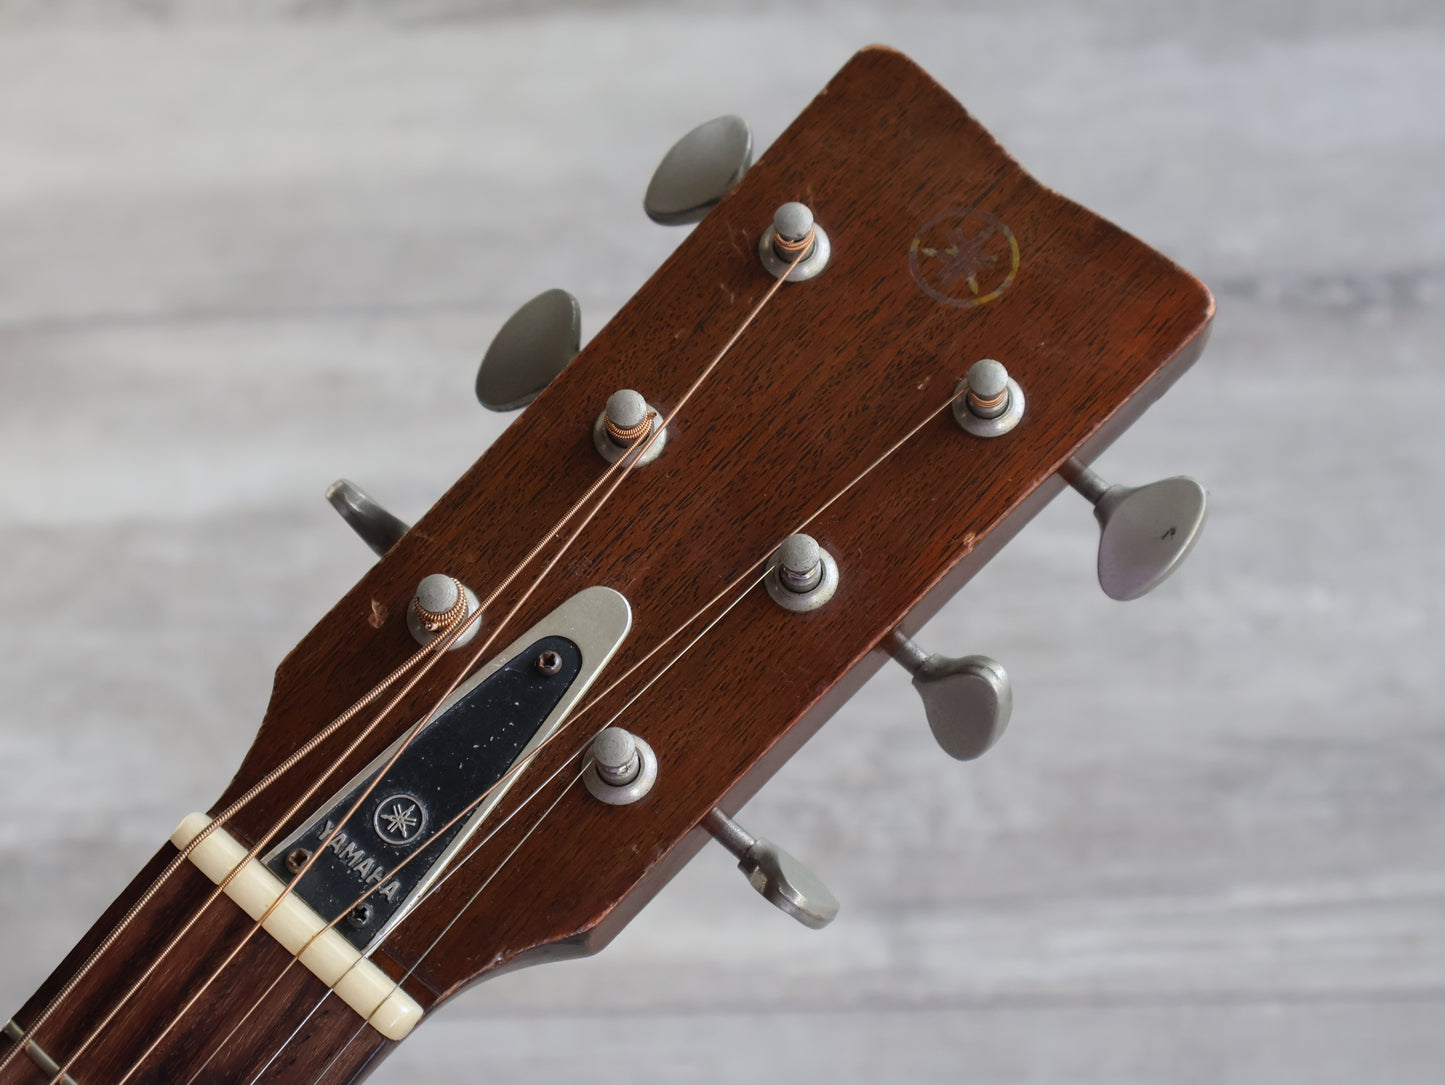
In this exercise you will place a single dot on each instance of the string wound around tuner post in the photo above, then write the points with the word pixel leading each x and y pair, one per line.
pixel 794 247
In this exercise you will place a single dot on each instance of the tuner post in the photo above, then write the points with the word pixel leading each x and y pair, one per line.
pixel 626 421
pixel 794 235
pixel 988 402
pixel 801 574
pixel 440 603
pixel 621 767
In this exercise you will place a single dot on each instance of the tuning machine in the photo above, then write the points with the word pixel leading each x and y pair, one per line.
pixel 968 701
pixel 378 528
pixel 700 169
pixel 780 879
pixel 1145 532
pixel 532 347
pixel 621 768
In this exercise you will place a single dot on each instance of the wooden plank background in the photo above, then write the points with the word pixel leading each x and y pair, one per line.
pixel 245 252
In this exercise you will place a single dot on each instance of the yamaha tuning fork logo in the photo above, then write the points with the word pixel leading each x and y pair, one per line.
pixel 964 258
pixel 400 820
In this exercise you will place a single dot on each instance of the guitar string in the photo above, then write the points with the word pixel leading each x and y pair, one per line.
pixel 410 736
pixel 437 648
pixel 818 512
pixel 292 961
pixel 24 1041
pixel 175 863
pixel 626 464
pixel 505 859
pixel 909 435
pixel 457 863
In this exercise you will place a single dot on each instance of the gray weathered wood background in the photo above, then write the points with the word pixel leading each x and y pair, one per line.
pixel 246 249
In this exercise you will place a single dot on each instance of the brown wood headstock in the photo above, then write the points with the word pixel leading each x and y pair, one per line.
pixel 944 251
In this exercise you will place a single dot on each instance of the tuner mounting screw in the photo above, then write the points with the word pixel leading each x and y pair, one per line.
pixel 991 402
pixel 621 767
pixel 439 604
pixel 801 574
pixel 793 230
pixel 549 663
pixel 627 419
pixel 296 859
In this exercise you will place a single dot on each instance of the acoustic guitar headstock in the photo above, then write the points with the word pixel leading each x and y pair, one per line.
pixel 830 406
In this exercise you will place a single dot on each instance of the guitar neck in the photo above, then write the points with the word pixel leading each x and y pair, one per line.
pixel 299 1029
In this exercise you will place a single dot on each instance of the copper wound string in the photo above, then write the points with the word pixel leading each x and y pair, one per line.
pixel 436 647
pixel 436 650
pixel 626 463
pixel 458 862
pixel 185 852
pixel 412 732
pixel 874 464
pixel 906 437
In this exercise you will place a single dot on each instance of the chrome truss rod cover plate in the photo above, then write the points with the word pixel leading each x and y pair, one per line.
pixel 492 722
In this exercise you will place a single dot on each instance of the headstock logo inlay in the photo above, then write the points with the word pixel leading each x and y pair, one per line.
pixel 964 258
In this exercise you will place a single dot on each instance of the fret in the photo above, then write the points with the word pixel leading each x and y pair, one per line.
pixel 332 1034
pixel 38 1055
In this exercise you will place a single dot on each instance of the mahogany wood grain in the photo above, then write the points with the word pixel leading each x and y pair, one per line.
pixel 1094 326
